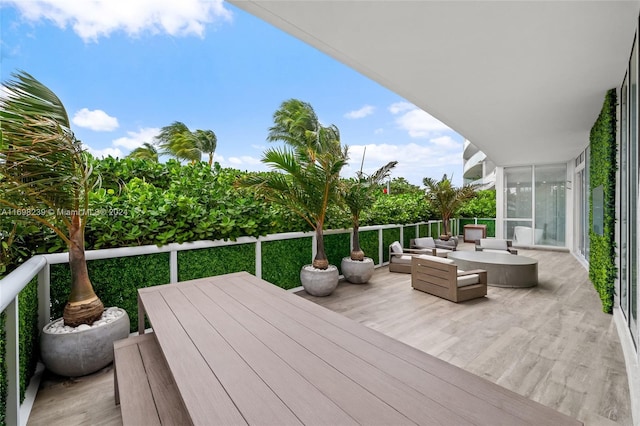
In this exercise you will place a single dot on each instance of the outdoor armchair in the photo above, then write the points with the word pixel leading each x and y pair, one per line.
pixel 400 258
pixel 441 277
pixel 495 245
pixel 431 246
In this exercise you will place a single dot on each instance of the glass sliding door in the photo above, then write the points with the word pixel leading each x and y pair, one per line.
pixel 550 204
pixel 518 198
pixel 535 205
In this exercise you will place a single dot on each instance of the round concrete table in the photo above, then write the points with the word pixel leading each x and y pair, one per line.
pixel 503 270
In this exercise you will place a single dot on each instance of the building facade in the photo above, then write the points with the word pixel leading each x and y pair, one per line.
pixel 525 81
pixel 477 168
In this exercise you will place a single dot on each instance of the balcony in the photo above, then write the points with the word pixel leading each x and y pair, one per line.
pixel 550 343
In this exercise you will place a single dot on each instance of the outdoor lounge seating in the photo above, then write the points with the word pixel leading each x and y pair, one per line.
pixel 400 258
pixel 437 247
pixel 495 245
pixel 441 277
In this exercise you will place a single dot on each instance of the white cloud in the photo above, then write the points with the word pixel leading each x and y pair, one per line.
pixel 99 18
pixel 416 122
pixel 244 160
pixel 96 120
pixel 399 107
pixel 378 131
pixel 134 140
pixel 360 113
pixel 415 161
pixel 106 152
pixel 447 142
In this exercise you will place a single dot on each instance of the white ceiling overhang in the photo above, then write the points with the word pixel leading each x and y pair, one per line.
pixel 523 80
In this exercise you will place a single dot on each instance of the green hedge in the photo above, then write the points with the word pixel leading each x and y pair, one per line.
pixel 282 260
pixel 408 233
pixel 28 343
pixel 28 333
pixel 423 230
pixel 491 226
pixel 389 235
pixel 602 172
pixel 433 230
pixel 369 245
pixel 193 264
pixel 3 370
pixel 337 246
pixel 130 274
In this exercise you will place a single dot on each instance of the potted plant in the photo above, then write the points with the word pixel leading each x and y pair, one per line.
pixel 358 195
pixel 305 180
pixel 45 176
pixel 447 199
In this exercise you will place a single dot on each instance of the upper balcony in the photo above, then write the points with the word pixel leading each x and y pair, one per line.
pixel 469 150
pixel 473 166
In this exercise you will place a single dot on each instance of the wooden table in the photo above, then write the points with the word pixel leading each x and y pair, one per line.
pixel 243 351
pixel 503 269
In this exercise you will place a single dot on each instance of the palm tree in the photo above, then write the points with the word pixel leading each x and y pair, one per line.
pixel 206 141
pixel 359 195
pixel 145 152
pixel 45 174
pixel 446 198
pixel 178 141
pixel 309 167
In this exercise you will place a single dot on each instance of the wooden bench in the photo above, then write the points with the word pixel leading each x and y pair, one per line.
pixel 144 387
pixel 441 278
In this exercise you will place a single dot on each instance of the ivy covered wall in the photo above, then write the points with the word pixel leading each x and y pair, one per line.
pixel 602 175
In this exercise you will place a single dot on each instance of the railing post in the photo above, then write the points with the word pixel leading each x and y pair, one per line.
pixel 380 246
pixel 44 296
pixel 259 258
pixel 173 266
pixel 402 235
pixel 314 245
pixel 13 363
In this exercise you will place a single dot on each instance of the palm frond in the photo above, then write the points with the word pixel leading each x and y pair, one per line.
pixel 42 164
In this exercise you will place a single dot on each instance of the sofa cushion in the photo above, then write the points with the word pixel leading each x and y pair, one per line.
pixel 495 251
pixel 403 259
pixel 442 252
pixel 488 243
pixel 424 242
pixel 466 280
pixel 438 259
pixel 396 247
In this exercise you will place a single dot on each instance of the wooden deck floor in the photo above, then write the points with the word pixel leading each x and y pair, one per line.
pixel 550 343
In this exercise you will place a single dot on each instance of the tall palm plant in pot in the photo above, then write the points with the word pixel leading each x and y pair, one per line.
pixel 305 180
pixel 45 175
pixel 358 195
pixel 446 198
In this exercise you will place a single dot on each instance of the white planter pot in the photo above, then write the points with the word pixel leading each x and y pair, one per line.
pixel 319 282
pixel 84 351
pixel 357 272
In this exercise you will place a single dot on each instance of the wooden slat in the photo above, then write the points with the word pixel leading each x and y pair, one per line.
pixel 131 375
pixel 189 370
pixel 374 376
pixel 502 400
pixel 166 397
pixel 350 396
pixel 253 398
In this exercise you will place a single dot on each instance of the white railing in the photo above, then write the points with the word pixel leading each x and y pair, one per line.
pixel 39 266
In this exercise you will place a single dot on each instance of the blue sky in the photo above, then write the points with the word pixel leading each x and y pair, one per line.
pixel 124 69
